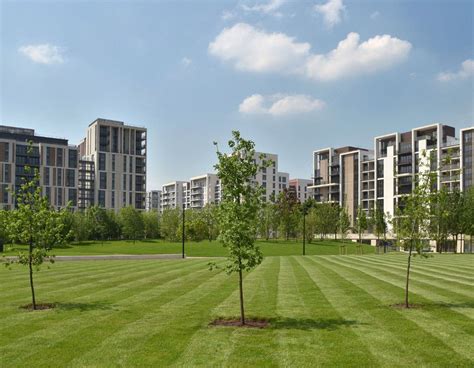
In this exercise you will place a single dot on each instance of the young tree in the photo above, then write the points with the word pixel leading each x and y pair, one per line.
pixel 151 221
pixel 170 223
pixel 95 216
pixel 439 215
pixel 455 215
pixel 267 221
pixel 210 216
pixel 344 223
pixel 35 223
pixel 132 223
pixel 80 227
pixel 412 223
pixel 361 225
pixel 241 200
pixel 287 212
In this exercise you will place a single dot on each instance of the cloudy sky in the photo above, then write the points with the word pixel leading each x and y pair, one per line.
pixel 292 76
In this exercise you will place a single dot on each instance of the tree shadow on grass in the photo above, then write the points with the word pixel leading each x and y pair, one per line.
pixel 311 324
pixel 84 307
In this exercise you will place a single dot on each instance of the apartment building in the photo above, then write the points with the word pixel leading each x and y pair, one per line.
pixel 354 177
pixel 153 200
pixel 342 175
pixel 118 152
pixel 203 190
pixel 174 195
pixel 272 181
pixel 55 160
pixel 301 189
pixel 107 168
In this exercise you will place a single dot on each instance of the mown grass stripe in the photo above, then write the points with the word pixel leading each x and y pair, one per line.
pixel 260 293
pixel 428 266
pixel 451 294
pixel 457 333
pixel 146 341
pixel 305 307
pixel 438 295
pixel 417 270
pixel 51 320
pixel 378 329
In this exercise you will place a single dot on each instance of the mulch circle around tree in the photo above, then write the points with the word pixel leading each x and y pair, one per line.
pixel 249 323
pixel 39 306
pixel 410 306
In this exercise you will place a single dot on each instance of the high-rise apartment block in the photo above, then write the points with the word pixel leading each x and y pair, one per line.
pixel 269 178
pixel 173 195
pixel 108 168
pixel 354 177
pixel 153 200
pixel 55 160
pixel 204 189
pixel 301 189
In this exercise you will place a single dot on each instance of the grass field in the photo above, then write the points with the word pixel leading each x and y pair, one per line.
pixel 324 311
pixel 197 249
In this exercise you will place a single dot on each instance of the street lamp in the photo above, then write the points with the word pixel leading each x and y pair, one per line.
pixel 184 208
pixel 304 228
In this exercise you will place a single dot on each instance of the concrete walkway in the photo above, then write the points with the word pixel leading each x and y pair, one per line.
pixel 114 257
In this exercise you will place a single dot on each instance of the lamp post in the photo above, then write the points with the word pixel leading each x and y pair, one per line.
pixel 184 208
pixel 304 229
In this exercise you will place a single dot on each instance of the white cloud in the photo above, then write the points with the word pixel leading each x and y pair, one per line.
pixel 280 105
pixel 331 11
pixel 375 15
pixel 270 7
pixel 254 50
pixel 185 62
pixel 227 15
pixel 466 71
pixel 43 53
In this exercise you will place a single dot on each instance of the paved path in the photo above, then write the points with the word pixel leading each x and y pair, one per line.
pixel 114 257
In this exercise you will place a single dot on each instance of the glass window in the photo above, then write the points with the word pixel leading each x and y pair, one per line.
pixel 102 161
pixel 103 180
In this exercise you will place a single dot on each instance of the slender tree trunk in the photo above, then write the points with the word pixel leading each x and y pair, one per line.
pixel 408 275
pixel 30 264
pixel 241 292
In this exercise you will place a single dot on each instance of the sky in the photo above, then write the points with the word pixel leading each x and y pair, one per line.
pixel 292 76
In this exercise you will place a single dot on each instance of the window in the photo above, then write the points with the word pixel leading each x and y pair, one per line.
pixel 131 165
pixel 48 193
pixel 72 163
pixel 4 191
pixel 102 161
pixel 49 154
pixel 264 177
pixel 73 196
pixel 124 182
pixel 113 181
pixel 59 201
pixel 113 199
pixel 113 162
pixel 124 199
pixel 124 163
pixel 130 187
pixel 59 182
pixel 7 176
pixel 46 178
pixel 70 178
pixel 4 151
pixel 102 198
pixel 59 157
pixel 103 180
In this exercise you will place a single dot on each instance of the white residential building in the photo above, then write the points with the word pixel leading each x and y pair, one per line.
pixel 153 200
pixel 269 177
pixel 204 189
pixel 301 189
pixel 173 195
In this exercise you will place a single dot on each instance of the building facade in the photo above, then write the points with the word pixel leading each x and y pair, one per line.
pixel 379 178
pixel 118 152
pixel 56 162
pixel 204 189
pixel 174 195
pixel 107 168
pixel 301 189
pixel 153 200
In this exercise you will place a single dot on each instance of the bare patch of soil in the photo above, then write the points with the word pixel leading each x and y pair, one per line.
pixel 39 306
pixel 410 306
pixel 249 323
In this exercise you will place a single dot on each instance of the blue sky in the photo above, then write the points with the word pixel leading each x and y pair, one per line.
pixel 292 76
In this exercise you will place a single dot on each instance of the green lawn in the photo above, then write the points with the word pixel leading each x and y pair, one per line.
pixel 324 311
pixel 198 249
